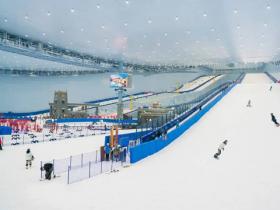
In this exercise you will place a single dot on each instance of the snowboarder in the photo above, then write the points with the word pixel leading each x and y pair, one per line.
pixel 220 148
pixel 48 168
pixel 249 103
pixel 1 143
pixel 274 120
pixel 29 158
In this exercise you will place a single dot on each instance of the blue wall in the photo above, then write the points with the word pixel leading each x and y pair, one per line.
pixel 146 149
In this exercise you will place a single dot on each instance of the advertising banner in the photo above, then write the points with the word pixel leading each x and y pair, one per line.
pixel 121 80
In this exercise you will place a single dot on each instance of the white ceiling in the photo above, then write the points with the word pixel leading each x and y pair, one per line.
pixel 158 31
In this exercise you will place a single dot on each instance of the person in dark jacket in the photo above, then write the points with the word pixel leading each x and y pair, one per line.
pixel 164 134
pixel 1 142
pixel 274 119
pixel 48 168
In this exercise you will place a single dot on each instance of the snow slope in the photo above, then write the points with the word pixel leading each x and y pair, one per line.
pixel 183 176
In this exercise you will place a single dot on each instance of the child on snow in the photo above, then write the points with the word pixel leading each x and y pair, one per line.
pixel 29 158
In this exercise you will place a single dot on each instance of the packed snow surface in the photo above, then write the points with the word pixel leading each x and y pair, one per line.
pixel 182 176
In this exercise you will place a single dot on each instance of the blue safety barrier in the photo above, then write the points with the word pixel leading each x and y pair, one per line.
pixel 271 77
pixel 79 120
pixel 144 150
pixel 123 139
pixel 5 130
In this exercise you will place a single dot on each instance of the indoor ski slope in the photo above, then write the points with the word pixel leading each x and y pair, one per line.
pixel 183 176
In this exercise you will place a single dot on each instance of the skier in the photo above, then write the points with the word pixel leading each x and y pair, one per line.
pixel 1 142
pixel 220 148
pixel 274 120
pixel 29 158
pixel 270 88
pixel 48 168
pixel 249 103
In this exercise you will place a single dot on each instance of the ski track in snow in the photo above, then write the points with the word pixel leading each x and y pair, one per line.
pixel 182 176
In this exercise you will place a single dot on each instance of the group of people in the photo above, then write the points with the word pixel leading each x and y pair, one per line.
pixel 116 153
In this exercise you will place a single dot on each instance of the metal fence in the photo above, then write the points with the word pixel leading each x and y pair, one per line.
pixel 41 137
pixel 61 165
pixel 87 165
pixel 93 169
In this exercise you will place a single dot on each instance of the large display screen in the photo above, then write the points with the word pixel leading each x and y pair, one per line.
pixel 120 80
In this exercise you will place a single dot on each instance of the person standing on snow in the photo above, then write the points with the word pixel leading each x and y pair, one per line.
pixel 273 119
pixel 29 158
pixel 48 168
pixel 1 143
pixel 107 150
pixel 249 103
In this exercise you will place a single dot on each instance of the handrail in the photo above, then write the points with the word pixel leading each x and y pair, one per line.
pixel 271 77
